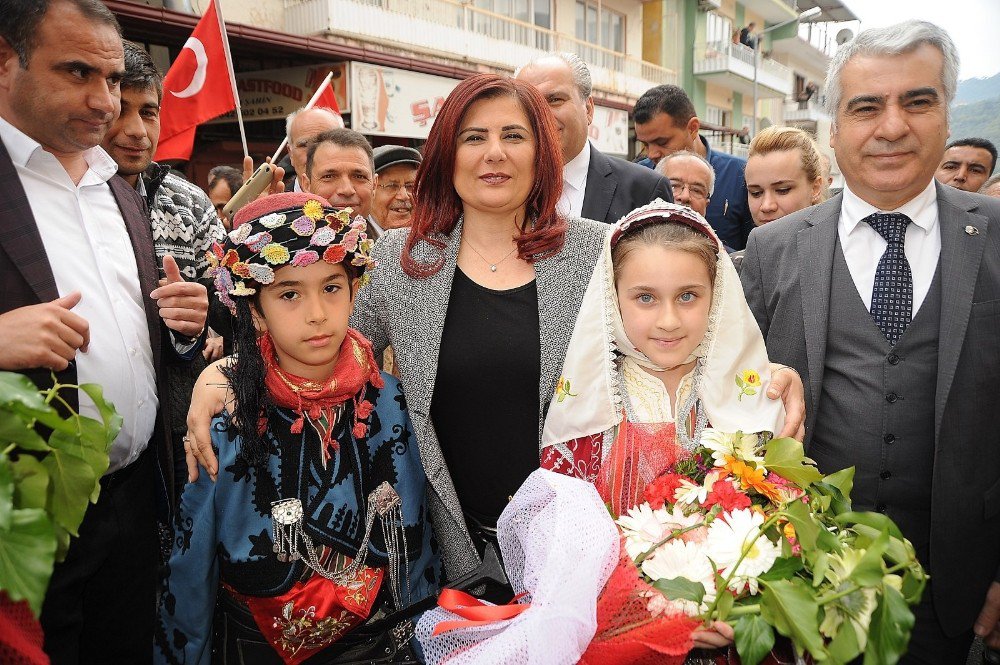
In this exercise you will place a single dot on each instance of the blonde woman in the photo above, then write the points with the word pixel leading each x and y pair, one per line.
pixel 783 173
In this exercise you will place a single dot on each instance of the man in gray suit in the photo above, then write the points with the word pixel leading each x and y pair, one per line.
pixel 886 298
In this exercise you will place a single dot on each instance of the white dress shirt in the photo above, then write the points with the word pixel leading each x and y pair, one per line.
pixel 89 250
pixel 575 183
pixel 863 246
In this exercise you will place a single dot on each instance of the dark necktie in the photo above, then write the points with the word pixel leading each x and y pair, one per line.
pixel 892 295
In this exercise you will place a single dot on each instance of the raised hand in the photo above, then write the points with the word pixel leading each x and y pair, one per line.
pixel 183 305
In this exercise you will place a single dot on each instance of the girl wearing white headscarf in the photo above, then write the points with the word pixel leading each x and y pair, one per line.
pixel 664 346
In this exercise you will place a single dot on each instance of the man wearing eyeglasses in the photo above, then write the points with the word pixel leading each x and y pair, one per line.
pixel 396 171
pixel 691 177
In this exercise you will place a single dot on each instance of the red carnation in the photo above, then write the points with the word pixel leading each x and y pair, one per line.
pixel 334 254
pixel 360 429
pixel 365 409
pixel 662 489
pixel 724 494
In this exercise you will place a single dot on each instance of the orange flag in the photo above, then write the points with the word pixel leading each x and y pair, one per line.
pixel 197 88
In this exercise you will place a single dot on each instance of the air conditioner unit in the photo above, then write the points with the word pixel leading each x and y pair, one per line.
pixel 705 5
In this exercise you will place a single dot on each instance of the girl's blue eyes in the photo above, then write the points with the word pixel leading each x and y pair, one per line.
pixel 645 298
pixel 687 297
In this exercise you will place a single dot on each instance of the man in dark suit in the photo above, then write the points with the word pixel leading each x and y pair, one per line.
pixel 887 299
pixel 79 295
pixel 595 186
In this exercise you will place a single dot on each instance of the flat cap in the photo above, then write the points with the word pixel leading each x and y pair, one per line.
pixel 390 155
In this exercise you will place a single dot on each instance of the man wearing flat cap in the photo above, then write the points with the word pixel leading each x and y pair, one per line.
pixel 396 168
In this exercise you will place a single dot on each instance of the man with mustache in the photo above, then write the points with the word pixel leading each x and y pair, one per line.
pixel 396 170
pixel 886 298
pixel 80 298
pixel 182 217
pixel 340 167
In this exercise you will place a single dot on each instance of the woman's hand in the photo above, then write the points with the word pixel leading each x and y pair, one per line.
pixel 210 396
pixel 787 385
pixel 716 636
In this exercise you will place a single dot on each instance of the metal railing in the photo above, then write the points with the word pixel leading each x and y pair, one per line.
pixel 725 55
pixel 459 28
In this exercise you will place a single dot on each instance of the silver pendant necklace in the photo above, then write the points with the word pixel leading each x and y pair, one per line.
pixel 493 266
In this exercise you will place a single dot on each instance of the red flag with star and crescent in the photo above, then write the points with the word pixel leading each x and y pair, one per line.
pixel 196 89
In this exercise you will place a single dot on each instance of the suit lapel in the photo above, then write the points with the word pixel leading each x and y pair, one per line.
pixel 816 245
pixel 19 235
pixel 961 254
pixel 601 186
pixel 140 232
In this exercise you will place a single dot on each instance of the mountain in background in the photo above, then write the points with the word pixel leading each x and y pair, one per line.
pixel 976 90
pixel 976 111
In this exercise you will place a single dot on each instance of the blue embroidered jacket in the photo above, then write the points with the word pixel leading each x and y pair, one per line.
pixel 223 531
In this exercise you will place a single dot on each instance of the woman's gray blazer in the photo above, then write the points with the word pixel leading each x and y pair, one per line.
pixel 408 314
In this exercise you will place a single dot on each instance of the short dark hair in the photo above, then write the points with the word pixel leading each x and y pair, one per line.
pixel 140 71
pixel 232 176
pixel 668 99
pixel 19 21
pixel 345 138
pixel 974 142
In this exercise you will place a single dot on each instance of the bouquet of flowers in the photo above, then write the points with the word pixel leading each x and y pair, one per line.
pixel 754 535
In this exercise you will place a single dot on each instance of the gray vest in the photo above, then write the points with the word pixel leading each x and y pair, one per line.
pixel 876 409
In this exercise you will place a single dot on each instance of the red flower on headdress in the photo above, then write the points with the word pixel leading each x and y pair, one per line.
pixel 334 254
pixel 230 258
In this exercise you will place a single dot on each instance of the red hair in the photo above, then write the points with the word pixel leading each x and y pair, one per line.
pixel 438 206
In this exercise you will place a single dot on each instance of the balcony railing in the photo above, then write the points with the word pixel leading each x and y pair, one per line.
pixel 725 57
pixel 453 28
pixel 808 111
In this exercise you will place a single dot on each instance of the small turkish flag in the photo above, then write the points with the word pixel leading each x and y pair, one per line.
pixel 197 88
pixel 328 100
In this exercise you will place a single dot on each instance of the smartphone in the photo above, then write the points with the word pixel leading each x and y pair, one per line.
pixel 251 189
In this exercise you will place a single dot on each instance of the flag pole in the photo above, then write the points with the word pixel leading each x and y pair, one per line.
pixel 312 100
pixel 232 76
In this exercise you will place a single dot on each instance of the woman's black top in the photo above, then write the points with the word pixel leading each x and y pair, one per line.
pixel 485 404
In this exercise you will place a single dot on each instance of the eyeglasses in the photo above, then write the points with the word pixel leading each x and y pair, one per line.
pixel 694 189
pixel 394 187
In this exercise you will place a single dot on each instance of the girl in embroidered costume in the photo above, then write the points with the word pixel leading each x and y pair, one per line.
pixel 664 345
pixel 316 528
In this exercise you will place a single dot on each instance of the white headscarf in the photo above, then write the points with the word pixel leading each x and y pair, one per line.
pixel 734 374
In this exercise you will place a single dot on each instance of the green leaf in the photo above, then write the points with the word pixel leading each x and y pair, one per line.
pixel 72 483
pixel 15 430
pixel 113 421
pixel 754 638
pixel 913 585
pixel 870 570
pixel 844 647
pixel 27 554
pixel 889 631
pixel 786 458
pixel 783 568
pixel 739 381
pixel 31 482
pixel 820 566
pixel 681 588
pixel 725 606
pixel 876 521
pixel 19 389
pixel 898 551
pixel 834 498
pixel 843 480
pixel 6 492
pixel 789 606
pixel 827 541
pixel 806 527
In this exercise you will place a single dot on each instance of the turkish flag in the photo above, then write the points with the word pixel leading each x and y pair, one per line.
pixel 327 100
pixel 197 88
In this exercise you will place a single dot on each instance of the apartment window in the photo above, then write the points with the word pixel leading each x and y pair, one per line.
pixel 601 26
pixel 538 12
pixel 718 30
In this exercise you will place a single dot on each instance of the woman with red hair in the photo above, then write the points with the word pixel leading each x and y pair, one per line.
pixel 477 299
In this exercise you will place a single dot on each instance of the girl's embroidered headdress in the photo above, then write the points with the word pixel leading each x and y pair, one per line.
pixel 285 229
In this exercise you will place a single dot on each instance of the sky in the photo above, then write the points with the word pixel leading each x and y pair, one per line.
pixel 973 25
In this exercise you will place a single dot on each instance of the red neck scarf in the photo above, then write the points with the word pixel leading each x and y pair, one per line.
pixel 319 402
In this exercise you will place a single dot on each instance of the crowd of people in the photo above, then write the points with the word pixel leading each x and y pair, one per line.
pixel 325 413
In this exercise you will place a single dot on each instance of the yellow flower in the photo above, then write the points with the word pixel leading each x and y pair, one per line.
pixel 313 209
pixel 563 389
pixel 751 378
pixel 747 381
pixel 275 254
